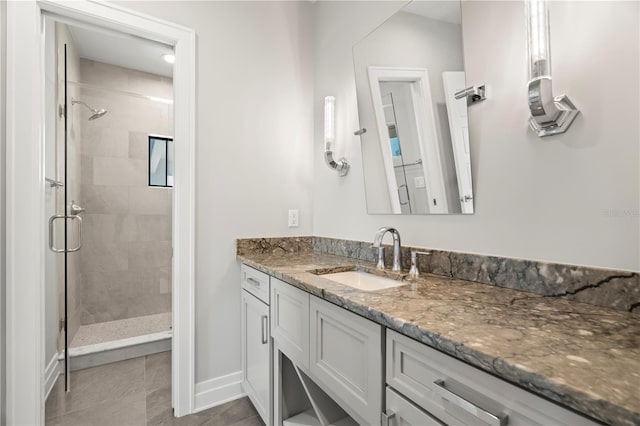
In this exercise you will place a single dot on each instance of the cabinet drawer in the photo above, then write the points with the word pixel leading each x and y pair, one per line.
pixel 290 321
pixel 255 282
pixel 457 393
pixel 402 412
pixel 346 356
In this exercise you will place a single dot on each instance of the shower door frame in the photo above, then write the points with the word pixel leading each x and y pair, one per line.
pixel 25 232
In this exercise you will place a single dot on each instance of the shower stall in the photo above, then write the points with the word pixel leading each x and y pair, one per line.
pixel 108 261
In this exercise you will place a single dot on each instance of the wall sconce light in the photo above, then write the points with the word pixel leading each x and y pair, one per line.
pixel 549 115
pixel 341 166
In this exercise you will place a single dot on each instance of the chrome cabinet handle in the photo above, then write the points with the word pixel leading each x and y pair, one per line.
pixel 387 417
pixel 253 282
pixel 480 413
pixel 52 219
pixel 265 329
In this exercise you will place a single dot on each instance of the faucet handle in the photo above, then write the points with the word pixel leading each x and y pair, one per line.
pixel 413 272
pixel 380 264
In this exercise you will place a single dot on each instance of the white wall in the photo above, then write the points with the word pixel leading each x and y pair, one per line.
pixel 572 198
pixel 253 148
pixel 3 38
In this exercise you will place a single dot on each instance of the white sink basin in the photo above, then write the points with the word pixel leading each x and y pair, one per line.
pixel 363 280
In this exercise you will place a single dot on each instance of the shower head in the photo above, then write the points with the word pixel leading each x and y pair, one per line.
pixel 97 113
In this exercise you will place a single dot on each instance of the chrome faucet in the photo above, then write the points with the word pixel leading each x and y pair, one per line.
pixel 377 243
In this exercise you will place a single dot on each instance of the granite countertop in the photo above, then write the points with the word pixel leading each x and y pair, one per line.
pixel 581 356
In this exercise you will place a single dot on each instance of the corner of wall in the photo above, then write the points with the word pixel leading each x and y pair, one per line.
pixel 3 41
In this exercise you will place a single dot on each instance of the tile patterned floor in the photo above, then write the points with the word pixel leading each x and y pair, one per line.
pixel 120 329
pixel 134 392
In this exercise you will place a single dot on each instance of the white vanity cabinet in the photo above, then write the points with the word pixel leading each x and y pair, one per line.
pixel 326 366
pixel 346 358
pixel 454 393
pixel 256 342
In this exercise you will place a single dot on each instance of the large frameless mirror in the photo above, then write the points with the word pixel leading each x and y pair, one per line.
pixel 416 155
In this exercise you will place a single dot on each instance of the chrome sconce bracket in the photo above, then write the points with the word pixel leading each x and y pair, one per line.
pixel 341 166
pixel 473 94
pixel 549 115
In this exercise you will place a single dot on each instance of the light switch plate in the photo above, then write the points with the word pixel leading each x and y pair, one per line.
pixel 293 218
pixel 419 181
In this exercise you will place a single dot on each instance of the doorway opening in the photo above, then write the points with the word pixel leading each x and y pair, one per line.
pixel 108 269
pixel 29 119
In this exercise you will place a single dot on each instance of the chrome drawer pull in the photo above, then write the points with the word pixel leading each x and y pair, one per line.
pixel 253 282
pixel 471 408
pixel 265 329
pixel 387 417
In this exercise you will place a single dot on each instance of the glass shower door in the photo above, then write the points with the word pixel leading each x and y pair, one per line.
pixel 64 222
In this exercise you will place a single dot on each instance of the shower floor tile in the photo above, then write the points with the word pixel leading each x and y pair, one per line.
pixel 121 329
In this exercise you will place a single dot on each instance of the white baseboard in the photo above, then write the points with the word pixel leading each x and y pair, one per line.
pixel 51 373
pixel 217 391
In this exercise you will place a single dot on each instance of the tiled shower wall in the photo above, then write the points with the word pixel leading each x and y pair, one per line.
pixel 126 254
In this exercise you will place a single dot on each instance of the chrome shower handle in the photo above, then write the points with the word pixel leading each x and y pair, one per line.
pixel 52 219
pixel 406 189
pixel 79 219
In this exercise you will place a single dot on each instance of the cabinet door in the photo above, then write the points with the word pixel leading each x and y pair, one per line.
pixel 401 412
pixel 346 357
pixel 256 363
pixel 290 321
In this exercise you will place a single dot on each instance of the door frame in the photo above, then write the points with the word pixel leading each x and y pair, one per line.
pixel 25 232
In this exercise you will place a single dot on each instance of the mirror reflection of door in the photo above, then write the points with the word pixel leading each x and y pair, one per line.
pixel 402 99
pixel 405 150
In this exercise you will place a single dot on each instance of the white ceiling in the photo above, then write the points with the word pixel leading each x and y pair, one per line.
pixel 122 50
pixel 146 55
pixel 444 10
